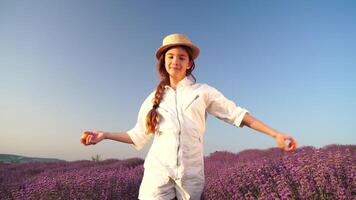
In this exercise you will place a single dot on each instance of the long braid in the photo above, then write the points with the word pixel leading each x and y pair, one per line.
pixel 152 117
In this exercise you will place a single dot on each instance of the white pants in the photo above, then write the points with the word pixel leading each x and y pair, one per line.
pixel 156 186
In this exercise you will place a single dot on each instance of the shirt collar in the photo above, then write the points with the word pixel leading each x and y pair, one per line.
pixel 186 81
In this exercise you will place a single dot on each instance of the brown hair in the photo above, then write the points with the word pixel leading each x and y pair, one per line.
pixel 152 118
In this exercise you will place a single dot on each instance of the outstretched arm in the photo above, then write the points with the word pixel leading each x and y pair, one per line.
pixel 259 126
pixel 97 136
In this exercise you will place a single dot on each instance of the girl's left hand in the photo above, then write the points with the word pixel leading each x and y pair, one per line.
pixel 92 137
pixel 286 142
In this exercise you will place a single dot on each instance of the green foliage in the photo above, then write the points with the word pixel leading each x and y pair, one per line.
pixel 96 158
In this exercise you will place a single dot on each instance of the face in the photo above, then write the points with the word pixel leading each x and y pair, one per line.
pixel 177 63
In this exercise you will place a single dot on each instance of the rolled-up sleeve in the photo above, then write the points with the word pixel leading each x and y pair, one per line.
pixel 222 108
pixel 138 133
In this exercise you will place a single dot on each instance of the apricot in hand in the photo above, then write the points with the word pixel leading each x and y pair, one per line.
pixel 83 138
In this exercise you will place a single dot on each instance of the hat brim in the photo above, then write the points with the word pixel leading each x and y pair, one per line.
pixel 195 49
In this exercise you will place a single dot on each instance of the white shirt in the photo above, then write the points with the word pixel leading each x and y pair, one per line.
pixel 177 149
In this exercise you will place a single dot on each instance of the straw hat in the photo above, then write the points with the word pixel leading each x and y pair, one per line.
pixel 177 39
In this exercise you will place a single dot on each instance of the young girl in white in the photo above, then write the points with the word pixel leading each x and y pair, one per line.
pixel 175 114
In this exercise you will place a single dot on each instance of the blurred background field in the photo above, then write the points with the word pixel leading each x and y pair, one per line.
pixel 307 173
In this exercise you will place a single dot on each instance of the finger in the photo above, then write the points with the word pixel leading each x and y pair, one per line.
pixel 89 132
pixel 291 148
pixel 286 144
pixel 87 142
pixel 288 148
pixel 91 139
pixel 293 141
pixel 292 145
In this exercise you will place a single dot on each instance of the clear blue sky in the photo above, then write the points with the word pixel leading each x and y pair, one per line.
pixel 69 66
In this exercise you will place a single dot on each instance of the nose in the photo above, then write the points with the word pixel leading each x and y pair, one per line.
pixel 175 59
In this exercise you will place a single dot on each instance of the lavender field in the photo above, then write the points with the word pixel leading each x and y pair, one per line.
pixel 307 173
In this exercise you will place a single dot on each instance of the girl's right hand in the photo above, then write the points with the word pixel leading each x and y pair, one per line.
pixel 92 137
pixel 282 139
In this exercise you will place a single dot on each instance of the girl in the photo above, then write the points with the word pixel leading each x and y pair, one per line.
pixel 175 114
